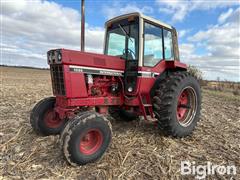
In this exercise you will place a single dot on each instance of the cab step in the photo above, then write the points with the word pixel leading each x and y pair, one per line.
pixel 145 105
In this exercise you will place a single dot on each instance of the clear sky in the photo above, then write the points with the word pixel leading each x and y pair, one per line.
pixel 209 31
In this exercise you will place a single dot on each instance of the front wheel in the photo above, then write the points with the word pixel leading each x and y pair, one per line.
pixel 86 138
pixel 44 120
pixel 177 104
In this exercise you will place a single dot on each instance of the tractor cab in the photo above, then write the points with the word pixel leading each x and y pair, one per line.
pixel 143 42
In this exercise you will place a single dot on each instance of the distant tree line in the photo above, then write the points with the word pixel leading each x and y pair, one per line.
pixel 218 85
pixel 26 67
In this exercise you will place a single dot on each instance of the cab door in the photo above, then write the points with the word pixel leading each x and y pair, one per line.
pixel 122 40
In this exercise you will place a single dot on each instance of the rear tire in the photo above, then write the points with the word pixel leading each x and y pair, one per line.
pixel 44 120
pixel 121 114
pixel 86 138
pixel 177 104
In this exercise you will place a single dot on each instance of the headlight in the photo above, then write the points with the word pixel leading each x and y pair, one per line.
pixel 49 57
pixel 54 56
pixel 59 56
pixel 130 89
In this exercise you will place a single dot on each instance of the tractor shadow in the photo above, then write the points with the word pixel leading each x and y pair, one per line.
pixel 139 126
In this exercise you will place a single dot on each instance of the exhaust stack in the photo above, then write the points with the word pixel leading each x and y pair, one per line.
pixel 82 26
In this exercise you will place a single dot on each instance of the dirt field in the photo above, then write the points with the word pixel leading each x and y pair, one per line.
pixel 138 150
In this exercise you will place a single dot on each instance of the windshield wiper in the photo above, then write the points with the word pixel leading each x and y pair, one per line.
pixel 124 31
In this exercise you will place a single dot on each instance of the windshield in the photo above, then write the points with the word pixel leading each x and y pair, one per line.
pixel 122 39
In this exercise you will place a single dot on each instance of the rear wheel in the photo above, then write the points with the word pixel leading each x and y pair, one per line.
pixel 186 106
pixel 44 119
pixel 86 138
pixel 177 104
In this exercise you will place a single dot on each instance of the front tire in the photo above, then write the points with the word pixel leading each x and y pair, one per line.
pixel 86 138
pixel 177 104
pixel 44 120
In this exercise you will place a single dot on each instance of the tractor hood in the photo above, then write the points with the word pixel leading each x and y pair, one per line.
pixel 85 59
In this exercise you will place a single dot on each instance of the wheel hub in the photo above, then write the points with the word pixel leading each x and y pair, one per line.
pixel 91 142
pixel 52 119
pixel 186 106
pixel 182 102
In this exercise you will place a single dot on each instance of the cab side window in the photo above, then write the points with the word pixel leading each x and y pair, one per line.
pixel 168 45
pixel 153 52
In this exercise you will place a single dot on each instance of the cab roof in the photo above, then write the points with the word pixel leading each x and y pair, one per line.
pixel 140 15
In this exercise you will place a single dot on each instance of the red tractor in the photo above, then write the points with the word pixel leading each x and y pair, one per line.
pixel 139 74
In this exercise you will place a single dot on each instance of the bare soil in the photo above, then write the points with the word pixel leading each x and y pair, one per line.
pixel 138 150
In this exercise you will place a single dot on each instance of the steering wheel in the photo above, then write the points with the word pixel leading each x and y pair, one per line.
pixel 130 52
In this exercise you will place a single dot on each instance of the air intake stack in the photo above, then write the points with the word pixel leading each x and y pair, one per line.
pixel 82 26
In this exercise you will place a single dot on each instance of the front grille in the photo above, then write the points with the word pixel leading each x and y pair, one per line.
pixel 57 79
